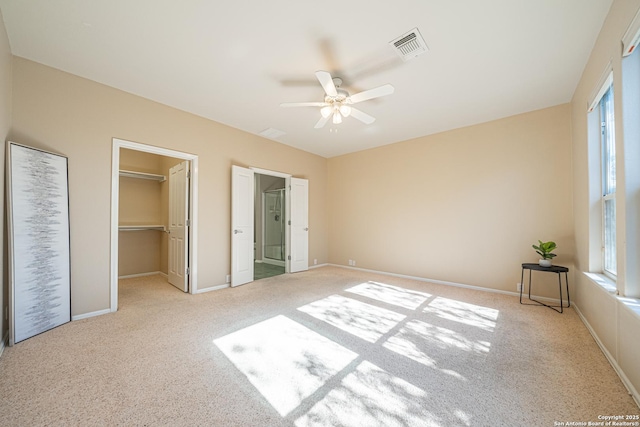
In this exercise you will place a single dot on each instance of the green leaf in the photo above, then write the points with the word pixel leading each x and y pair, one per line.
pixel 545 248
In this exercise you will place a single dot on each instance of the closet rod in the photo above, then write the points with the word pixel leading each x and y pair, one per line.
pixel 141 227
pixel 142 175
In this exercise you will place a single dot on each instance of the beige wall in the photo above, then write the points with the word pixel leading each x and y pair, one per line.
pixel 140 199
pixel 139 252
pixel 463 206
pixel 77 117
pixel 614 323
pixel 140 161
pixel 5 124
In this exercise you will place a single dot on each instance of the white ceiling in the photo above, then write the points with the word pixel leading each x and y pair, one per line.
pixel 235 61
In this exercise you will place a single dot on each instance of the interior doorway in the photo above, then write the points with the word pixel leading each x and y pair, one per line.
pixel 270 221
pixel 134 223
pixel 243 223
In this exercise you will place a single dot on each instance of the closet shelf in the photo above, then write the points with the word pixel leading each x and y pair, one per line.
pixel 142 175
pixel 141 227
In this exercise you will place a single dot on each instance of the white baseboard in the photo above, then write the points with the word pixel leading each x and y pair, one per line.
pixel 629 386
pixel 457 285
pixel 212 288
pixel 311 267
pixel 151 273
pixel 92 314
pixel 4 343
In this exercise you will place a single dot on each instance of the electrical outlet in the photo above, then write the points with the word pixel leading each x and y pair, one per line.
pixel 354 263
pixel 228 278
pixel 315 261
pixel 350 262
pixel 518 287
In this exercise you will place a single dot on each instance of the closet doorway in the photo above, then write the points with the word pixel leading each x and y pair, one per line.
pixel 154 205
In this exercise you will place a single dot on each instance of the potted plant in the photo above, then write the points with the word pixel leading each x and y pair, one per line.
pixel 544 249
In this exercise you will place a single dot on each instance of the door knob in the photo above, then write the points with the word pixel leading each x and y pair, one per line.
pixel 306 229
pixel 237 231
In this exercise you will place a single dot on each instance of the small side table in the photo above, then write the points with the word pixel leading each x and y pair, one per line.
pixel 553 269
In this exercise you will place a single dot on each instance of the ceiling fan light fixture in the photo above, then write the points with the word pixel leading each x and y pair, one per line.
pixel 337 102
pixel 326 111
pixel 345 110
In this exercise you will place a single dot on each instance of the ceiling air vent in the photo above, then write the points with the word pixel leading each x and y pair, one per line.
pixel 409 45
pixel 272 133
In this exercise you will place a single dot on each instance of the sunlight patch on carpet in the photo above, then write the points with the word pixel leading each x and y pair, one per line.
pixel 371 396
pixel 389 294
pixel 423 342
pixel 462 312
pixel 357 318
pixel 284 360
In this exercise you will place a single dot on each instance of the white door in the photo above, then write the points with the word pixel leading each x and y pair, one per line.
pixel 179 226
pixel 242 201
pixel 299 224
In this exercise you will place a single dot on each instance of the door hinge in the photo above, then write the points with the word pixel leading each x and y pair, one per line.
pixel 188 223
pixel 187 271
pixel 289 222
pixel 289 257
pixel 188 174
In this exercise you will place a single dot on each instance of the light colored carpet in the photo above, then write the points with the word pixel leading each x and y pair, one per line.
pixel 327 347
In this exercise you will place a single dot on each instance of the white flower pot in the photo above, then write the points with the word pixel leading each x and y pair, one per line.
pixel 545 263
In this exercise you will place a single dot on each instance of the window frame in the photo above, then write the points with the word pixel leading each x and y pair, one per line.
pixel 608 181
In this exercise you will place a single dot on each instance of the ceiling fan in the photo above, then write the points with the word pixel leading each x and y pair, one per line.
pixel 338 103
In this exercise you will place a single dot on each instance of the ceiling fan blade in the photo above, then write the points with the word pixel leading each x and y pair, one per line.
pixel 303 104
pixel 323 121
pixel 372 93
pixel 362 116
pixel 326 81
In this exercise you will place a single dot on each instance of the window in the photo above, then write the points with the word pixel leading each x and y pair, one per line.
pixel 629 122
pixel 608 165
